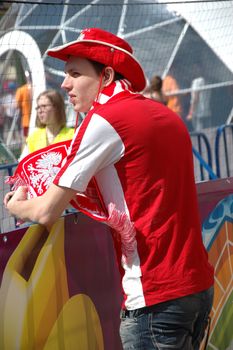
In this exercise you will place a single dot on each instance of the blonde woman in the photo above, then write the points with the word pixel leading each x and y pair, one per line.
pixel 50 123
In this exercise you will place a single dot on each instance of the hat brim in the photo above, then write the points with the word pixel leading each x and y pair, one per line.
pixel 119 59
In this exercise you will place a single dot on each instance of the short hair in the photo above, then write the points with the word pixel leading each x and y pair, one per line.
pixel 99 68
pixel 57 101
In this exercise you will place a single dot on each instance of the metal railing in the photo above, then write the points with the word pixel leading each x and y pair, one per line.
pixel 202 152
pixel 224 137
pixel 8 167
pixel 7 223
pixel 204 165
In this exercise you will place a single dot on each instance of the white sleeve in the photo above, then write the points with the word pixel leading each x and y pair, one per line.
pixel 99 147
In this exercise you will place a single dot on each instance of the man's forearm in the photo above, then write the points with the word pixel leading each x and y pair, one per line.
pixel 45 209
pixel 28 210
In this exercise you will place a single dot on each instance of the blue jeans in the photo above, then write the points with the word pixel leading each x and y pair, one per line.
pixel 175 324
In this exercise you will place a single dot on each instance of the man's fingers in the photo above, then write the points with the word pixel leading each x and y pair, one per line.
pixel 7 197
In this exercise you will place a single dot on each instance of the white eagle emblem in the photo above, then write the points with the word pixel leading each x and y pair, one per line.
pixel 45 169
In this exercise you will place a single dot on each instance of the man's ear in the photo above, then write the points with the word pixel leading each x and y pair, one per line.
pixel 108 77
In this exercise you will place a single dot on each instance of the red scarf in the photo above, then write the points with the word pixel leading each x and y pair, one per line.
pixel 38 170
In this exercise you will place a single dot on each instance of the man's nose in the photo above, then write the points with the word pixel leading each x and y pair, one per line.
pixel 66 84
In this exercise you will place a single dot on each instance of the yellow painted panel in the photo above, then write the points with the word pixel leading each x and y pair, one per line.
pixel 34 288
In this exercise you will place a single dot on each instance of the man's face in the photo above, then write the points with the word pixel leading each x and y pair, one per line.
pixel 81 83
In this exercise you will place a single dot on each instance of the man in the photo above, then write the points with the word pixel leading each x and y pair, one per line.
pixel 141 156
pixel 24 101
pixel 10 112
pixel 199 110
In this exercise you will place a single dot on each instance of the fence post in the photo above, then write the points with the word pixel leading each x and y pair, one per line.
pixel 222 131
pixel 207 165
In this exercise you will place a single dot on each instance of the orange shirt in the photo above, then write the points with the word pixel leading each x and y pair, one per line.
pixel 24 99
pixel 173 102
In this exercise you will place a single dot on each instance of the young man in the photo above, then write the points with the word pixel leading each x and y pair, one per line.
pixel 141 156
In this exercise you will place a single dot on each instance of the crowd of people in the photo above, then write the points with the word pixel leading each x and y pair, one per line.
pixel 129 144
pixel 16 105
pixel 198 114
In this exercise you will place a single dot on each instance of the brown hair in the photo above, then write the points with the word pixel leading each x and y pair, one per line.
pixel 99 68
pixel 156 83
pixel 57 101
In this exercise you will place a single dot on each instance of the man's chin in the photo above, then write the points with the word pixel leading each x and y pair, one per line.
pixel 76 108
pixel 81 110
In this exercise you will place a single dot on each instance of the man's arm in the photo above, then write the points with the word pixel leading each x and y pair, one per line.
pixel 44 210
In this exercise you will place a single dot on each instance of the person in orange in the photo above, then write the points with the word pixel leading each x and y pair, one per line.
pixel 170 85
pixel 24 101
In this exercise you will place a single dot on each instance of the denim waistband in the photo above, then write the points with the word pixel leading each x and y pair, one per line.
pixel 137 312
pixel 154 308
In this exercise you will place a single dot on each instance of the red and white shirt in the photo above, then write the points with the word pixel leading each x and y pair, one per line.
pixel 140 154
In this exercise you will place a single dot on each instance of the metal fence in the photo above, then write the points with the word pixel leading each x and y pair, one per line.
pixel 224 151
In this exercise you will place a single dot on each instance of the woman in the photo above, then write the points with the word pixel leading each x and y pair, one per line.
pixel 154 90
pixel 50 123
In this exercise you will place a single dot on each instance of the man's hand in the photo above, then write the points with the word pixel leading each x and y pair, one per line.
pixel 44 209
pixel 189 117
pixel 14 196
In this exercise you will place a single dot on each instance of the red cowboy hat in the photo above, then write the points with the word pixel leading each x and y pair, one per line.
pixel 104 47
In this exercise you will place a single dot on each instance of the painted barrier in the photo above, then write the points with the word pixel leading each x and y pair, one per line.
pixel 61 290
pixel 216 209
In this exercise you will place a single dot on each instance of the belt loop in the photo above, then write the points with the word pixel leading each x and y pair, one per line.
pixel 123 313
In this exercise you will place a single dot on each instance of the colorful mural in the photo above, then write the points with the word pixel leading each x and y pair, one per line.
pixel 59 288
pixel 218 238
pixel 62 289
